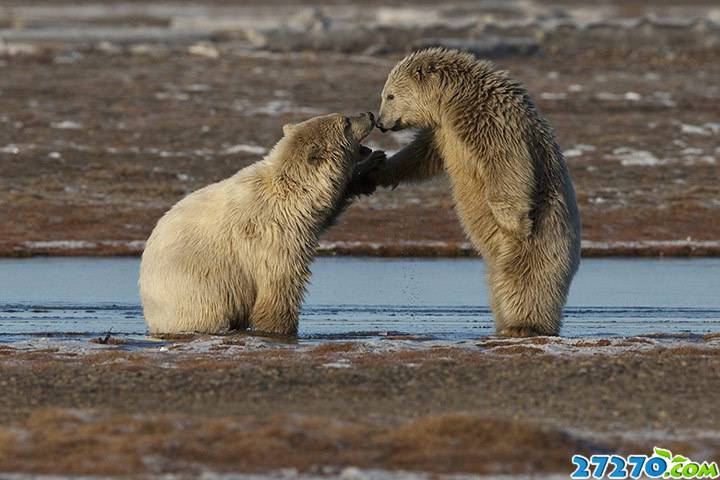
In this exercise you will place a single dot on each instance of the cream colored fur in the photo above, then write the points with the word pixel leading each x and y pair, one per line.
pixel 511 186
pixel 236 253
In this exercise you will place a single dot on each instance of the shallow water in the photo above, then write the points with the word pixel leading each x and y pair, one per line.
pixel 360 298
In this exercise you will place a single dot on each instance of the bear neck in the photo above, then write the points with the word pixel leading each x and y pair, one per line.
pixel 482 96
pixel 314 192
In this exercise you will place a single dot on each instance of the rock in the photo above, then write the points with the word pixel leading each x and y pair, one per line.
pixel 204 49
pixel 108 47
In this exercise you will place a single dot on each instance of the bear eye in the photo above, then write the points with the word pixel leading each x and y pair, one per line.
pixel 390 97
pixel 347 122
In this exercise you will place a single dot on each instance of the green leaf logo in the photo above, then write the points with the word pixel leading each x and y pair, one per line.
pixel 661 452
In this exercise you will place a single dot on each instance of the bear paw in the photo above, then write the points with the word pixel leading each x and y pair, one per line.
pixel 364 176
pixel 522 332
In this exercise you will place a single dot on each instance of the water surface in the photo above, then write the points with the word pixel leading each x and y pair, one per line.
pixel 348 298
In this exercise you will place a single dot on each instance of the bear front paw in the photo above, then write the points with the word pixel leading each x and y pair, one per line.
pixel 364 178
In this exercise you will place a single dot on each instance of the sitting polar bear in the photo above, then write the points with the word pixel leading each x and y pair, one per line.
pixel 511 186
pixel 236 253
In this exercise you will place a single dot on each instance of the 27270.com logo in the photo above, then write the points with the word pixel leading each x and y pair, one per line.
pixel 661 464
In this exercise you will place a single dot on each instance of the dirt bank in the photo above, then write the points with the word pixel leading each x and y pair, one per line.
pixel 243 406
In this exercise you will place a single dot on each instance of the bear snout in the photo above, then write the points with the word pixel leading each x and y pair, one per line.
pixel 362 125
pixel 384 128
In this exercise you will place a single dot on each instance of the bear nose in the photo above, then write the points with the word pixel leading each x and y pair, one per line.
pixel 380 125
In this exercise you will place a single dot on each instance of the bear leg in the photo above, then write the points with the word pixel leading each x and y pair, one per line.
pixel 526 300
pixel 277 307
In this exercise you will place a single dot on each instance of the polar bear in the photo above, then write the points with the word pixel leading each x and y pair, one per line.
pixel 511 186
pixel 236 254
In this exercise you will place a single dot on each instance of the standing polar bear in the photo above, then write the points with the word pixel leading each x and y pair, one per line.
pixel 236 253
pixel 511 186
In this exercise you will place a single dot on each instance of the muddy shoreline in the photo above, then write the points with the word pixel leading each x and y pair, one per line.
pixel 323 408
pixel 681 249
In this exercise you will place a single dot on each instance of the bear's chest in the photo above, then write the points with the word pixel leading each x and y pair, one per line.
pixel 462 165
pixel 467 177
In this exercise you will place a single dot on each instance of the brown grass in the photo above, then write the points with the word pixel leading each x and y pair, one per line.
pixel 685 350
pixel 635 340
pixel 91 442
pixel 604 342
pixel 518 350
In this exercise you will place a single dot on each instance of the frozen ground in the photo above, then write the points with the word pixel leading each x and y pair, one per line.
pixel 240 404
pixel 113 111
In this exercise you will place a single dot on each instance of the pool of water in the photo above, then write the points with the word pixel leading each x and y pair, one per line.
pixel 349 298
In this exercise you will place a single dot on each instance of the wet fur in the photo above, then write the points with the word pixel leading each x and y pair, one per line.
pixel 236 254
pixel 511 186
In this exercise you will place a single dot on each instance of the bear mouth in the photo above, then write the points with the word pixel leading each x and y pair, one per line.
pixel 397 126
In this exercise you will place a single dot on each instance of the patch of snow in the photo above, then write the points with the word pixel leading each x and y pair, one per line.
pixel 692 151
pixel 342 363
pixel 578 150
pixel 204 49
pixel 408 16
pixel 67 125
pixel 59 244
pixel 11 49
pixel 665 98
pixel 70 57
pixel 616 97
pixel 707 159
pixel 714 127
pixel 274 108
pixel 696 129
pixel 80 244
pixel 108 47
pixel 146 49
pixel 243 148
pixel 172 96
pixel 640 244
pixel 10 148
pixel 198 87
pixel 636 158
pixel 553 95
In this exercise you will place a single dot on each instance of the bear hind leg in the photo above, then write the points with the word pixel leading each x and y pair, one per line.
pixel 524 307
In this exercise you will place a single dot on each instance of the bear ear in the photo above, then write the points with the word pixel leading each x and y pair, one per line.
pixel 425 70
pixel 287 128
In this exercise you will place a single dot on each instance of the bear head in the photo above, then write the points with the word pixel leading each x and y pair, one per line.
pixel 417 86
pixel 328 141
